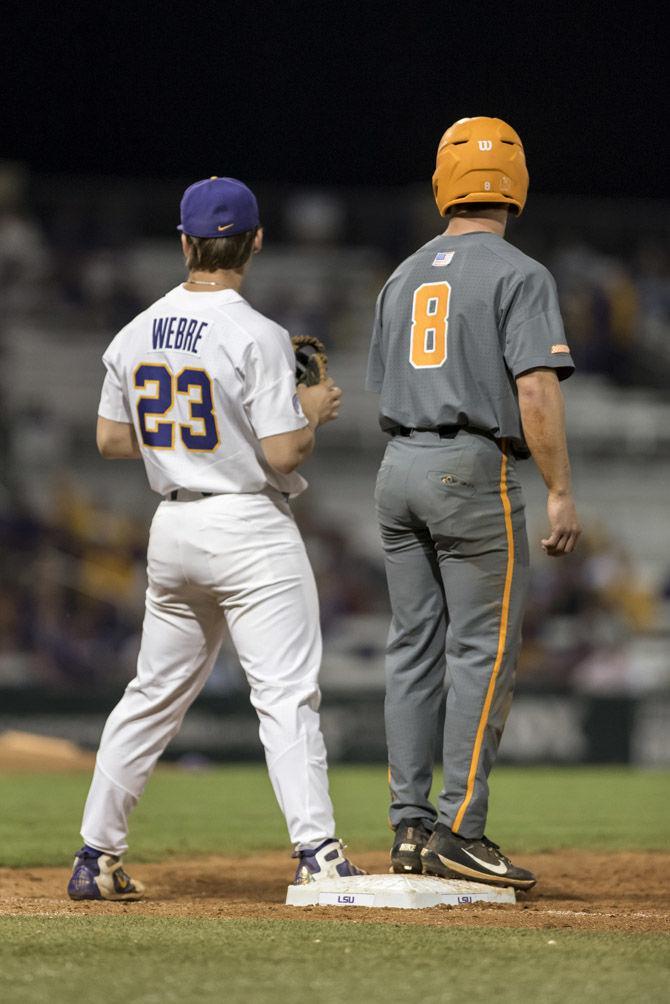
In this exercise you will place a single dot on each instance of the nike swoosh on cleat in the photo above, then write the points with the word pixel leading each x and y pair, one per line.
pixel 227 226
pixel 500 869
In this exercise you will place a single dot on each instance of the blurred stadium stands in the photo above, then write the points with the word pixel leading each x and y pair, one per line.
pixel 79 257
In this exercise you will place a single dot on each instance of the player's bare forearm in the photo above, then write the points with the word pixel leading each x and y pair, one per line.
pixel 116 440
pixel 301 446
pixel 288 450
pixel 543 419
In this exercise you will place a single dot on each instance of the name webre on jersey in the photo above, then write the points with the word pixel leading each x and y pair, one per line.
pixel 180 333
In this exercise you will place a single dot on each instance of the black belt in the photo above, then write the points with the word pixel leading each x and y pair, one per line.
pixel 443 431
pixel 519 451
pixel 174 494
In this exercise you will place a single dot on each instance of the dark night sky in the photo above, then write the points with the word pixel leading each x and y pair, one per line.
pixel 342 93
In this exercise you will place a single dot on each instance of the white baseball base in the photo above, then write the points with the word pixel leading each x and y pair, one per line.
pixel 403 892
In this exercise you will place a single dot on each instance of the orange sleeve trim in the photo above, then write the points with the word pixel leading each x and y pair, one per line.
pixel 502 638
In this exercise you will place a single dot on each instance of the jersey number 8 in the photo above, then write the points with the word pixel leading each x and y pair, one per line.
pixel 197 386
pixel 430 321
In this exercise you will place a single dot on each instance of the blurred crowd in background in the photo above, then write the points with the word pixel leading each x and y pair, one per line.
pixel 78 258
pixel 86 254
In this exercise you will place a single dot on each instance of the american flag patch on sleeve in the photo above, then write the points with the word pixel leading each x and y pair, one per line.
pixel 559 348
pixel 443 258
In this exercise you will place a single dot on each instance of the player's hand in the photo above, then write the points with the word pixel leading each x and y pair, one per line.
pixel 563 524
pixel 321 402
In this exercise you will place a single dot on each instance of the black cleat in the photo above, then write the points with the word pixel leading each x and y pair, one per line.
pixel 411 836
pixel 450 856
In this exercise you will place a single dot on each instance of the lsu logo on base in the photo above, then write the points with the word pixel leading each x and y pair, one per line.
pixel 442 258
pixel 346 899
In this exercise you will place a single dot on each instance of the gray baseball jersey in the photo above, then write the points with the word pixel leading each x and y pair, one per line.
pixel 454 326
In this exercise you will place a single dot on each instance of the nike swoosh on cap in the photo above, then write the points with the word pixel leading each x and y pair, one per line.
pixel 500 869
pixel 227 226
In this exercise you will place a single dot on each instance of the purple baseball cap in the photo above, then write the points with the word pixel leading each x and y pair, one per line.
pixel 218 207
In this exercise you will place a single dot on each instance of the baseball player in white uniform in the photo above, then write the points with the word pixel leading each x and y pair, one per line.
pixel 202 388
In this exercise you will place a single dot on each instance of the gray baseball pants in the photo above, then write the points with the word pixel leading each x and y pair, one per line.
pixel 452 523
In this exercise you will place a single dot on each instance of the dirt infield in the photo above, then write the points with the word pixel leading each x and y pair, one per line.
pixel 25 751
pixel 577 890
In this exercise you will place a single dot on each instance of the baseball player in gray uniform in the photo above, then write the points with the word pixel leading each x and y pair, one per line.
pixel 467 352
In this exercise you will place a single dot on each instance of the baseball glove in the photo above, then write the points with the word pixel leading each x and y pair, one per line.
pixel 311 361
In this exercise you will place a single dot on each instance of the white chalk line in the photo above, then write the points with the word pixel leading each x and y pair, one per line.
pixel 598 913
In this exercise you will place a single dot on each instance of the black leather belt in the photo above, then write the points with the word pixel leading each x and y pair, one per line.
pixel 174 494
pixel 443 431
pixel 519 451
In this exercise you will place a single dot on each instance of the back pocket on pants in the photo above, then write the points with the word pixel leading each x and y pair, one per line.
pixel 451 484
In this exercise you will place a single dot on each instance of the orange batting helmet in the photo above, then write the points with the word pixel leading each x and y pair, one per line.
pixel 480 160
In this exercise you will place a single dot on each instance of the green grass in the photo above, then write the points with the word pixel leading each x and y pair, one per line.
pixel 228 808
pixel 155 961
pixel 147 960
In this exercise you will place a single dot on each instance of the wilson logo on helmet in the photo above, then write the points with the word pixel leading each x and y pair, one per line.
pixel 485 144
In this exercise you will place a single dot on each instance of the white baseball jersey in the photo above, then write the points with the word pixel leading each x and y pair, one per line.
pixel 203 377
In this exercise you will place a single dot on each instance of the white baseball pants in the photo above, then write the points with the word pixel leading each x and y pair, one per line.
pixel 240 560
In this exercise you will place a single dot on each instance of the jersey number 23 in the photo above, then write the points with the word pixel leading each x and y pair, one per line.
pixel 200 433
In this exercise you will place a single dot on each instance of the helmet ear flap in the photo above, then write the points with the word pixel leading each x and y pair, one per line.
pixel 436 193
